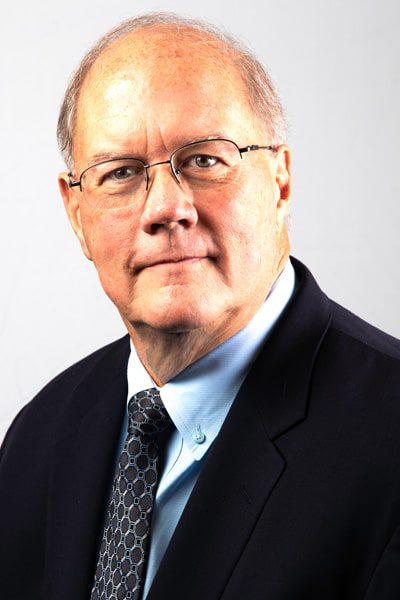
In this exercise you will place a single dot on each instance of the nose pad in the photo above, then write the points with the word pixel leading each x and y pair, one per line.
pixel 146 178
pixel 175 173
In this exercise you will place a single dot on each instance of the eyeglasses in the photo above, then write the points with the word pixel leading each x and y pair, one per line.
pixel 202 165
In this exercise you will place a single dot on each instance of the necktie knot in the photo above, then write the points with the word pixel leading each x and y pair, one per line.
pixel 147 413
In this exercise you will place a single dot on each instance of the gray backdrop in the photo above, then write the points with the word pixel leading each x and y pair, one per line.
pixel 336 64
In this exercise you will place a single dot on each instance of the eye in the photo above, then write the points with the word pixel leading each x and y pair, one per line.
pixel 205 161
pixel 202 161
pixel 122 173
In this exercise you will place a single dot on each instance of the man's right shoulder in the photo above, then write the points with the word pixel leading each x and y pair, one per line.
pixel 50 401
pixel 71 378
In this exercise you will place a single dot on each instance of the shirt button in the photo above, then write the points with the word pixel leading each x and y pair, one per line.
pixel 198 436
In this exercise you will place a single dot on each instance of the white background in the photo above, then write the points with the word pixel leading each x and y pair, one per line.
pixel 336 65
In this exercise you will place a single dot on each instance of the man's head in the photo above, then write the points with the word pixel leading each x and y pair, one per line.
pixel 179 256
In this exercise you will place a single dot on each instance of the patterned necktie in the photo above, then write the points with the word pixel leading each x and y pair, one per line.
pixel 120 567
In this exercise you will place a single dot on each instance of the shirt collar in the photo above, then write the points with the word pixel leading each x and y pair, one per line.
pixel 199 398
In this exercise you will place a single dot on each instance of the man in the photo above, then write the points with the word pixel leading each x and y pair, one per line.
pixel 243 440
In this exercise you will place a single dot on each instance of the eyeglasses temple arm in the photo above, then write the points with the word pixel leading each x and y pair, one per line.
pixel 73 183
pixel 256 147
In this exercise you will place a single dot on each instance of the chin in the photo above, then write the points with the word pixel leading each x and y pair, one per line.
pixel 177 321
pixel 174 317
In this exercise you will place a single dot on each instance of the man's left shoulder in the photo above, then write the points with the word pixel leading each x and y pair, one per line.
pixel 358 333
pixel 342 343
pixel 358 361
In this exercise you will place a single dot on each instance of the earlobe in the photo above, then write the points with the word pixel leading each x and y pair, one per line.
pixel 72 206
pixel 283 172
pixel 284 182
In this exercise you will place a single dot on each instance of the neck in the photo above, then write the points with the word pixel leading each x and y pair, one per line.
pixel 165 354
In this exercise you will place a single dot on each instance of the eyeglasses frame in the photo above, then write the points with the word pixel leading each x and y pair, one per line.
pixel 241 151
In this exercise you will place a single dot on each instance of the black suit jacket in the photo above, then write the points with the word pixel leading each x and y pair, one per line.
pixel 299 497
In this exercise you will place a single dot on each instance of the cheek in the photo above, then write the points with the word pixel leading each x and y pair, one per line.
pixel 110 239
pixel 109 236
pixel 249 226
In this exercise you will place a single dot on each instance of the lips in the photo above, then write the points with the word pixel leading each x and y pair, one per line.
pixel 169 260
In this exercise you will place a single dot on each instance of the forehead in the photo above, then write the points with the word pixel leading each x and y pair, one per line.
pixel 160 88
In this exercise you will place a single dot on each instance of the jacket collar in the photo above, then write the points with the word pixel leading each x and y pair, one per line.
pixel 285 366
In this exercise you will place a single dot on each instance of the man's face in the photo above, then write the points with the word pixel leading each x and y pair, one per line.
pixel 177 260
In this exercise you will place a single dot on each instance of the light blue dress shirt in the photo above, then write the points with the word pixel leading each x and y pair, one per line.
pixel 198 400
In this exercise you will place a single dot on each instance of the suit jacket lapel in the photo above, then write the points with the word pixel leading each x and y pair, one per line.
pixel 236 480
pixel 82 475
pixel 244 465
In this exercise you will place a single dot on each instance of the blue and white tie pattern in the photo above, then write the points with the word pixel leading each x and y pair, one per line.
pixel 123 551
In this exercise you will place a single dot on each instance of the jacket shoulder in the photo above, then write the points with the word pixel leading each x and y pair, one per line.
pixel 71 377
pixel 47 407
pixel 350 325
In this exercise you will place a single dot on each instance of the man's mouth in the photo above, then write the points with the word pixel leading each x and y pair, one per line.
pixel 169 261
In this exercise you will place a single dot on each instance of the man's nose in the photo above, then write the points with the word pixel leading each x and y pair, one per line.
pixel 167 203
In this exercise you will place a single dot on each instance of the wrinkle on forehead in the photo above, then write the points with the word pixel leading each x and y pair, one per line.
pixel 158 81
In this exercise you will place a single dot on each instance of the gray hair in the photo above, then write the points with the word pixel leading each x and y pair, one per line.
pixel 262 95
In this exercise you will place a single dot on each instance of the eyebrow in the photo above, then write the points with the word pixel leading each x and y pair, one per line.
pixel 103 156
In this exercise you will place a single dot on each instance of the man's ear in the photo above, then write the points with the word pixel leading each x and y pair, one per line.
pixel 284 182
pixel 72 206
